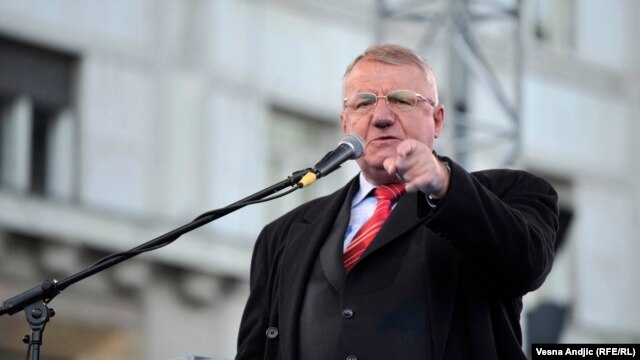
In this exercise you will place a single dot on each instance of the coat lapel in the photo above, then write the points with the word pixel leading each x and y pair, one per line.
pixel 331 253
pixel 405 216
pixel 300 253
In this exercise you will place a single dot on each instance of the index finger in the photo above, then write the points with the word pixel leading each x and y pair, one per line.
pixel 405 148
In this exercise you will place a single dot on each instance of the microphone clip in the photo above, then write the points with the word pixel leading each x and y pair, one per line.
pixel 295 179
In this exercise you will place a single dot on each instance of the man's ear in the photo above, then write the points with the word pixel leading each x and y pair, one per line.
pixel 438 118
pixel 343 122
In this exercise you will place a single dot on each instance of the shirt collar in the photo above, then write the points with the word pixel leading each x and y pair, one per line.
pixel 365 189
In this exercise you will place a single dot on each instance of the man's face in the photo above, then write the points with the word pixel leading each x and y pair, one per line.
pixel 381 128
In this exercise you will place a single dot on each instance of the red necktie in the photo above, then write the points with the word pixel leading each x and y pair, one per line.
pixel 386 195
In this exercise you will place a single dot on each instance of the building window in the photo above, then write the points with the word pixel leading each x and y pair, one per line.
pixel 37 128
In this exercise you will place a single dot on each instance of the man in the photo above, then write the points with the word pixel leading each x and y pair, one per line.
pixel 441 278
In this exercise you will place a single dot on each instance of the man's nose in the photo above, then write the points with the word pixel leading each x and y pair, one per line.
pixel 383 115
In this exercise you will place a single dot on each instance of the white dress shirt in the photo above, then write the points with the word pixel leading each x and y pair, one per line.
pixel 362 208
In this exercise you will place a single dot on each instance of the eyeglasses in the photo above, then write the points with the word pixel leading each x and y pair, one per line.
pixel 398 101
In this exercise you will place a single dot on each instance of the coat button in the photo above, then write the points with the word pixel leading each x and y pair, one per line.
pixel 347 313
pixel 272 332
pixel 352 357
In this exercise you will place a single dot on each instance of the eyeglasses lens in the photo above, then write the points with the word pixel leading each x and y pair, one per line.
pixel 402 100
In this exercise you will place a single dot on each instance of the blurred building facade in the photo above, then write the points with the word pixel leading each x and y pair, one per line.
pixel 122 120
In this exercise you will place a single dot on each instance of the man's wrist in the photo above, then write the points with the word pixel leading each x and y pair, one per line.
pixel 434 197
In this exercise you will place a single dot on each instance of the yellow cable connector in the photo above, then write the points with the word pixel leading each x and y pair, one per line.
pixel 308 179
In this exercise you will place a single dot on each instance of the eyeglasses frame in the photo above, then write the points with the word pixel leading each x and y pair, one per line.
pixel 386 99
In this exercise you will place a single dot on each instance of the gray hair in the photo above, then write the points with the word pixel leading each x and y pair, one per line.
pixel 396 55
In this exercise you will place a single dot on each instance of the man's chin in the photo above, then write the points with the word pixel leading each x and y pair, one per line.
pixel 377 174
pixel 375 157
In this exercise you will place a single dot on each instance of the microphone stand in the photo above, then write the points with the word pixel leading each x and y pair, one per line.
pixel 34 301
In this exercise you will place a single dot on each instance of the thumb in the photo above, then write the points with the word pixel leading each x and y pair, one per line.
pixel 389 165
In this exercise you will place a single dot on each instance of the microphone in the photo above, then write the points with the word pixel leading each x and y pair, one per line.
pixel 349 147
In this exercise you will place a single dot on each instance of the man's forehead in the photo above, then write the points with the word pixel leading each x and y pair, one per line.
pixel 372 68
pixel 372 72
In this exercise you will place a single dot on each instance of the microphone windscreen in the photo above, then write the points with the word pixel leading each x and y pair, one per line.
pixel 356 143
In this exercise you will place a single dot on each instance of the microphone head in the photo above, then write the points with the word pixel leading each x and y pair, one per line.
pixel 356 143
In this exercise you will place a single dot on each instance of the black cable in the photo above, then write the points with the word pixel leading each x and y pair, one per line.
pixel 245 203
pixel 224 210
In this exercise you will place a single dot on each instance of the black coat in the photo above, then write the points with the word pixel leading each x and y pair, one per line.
pixel 488 242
